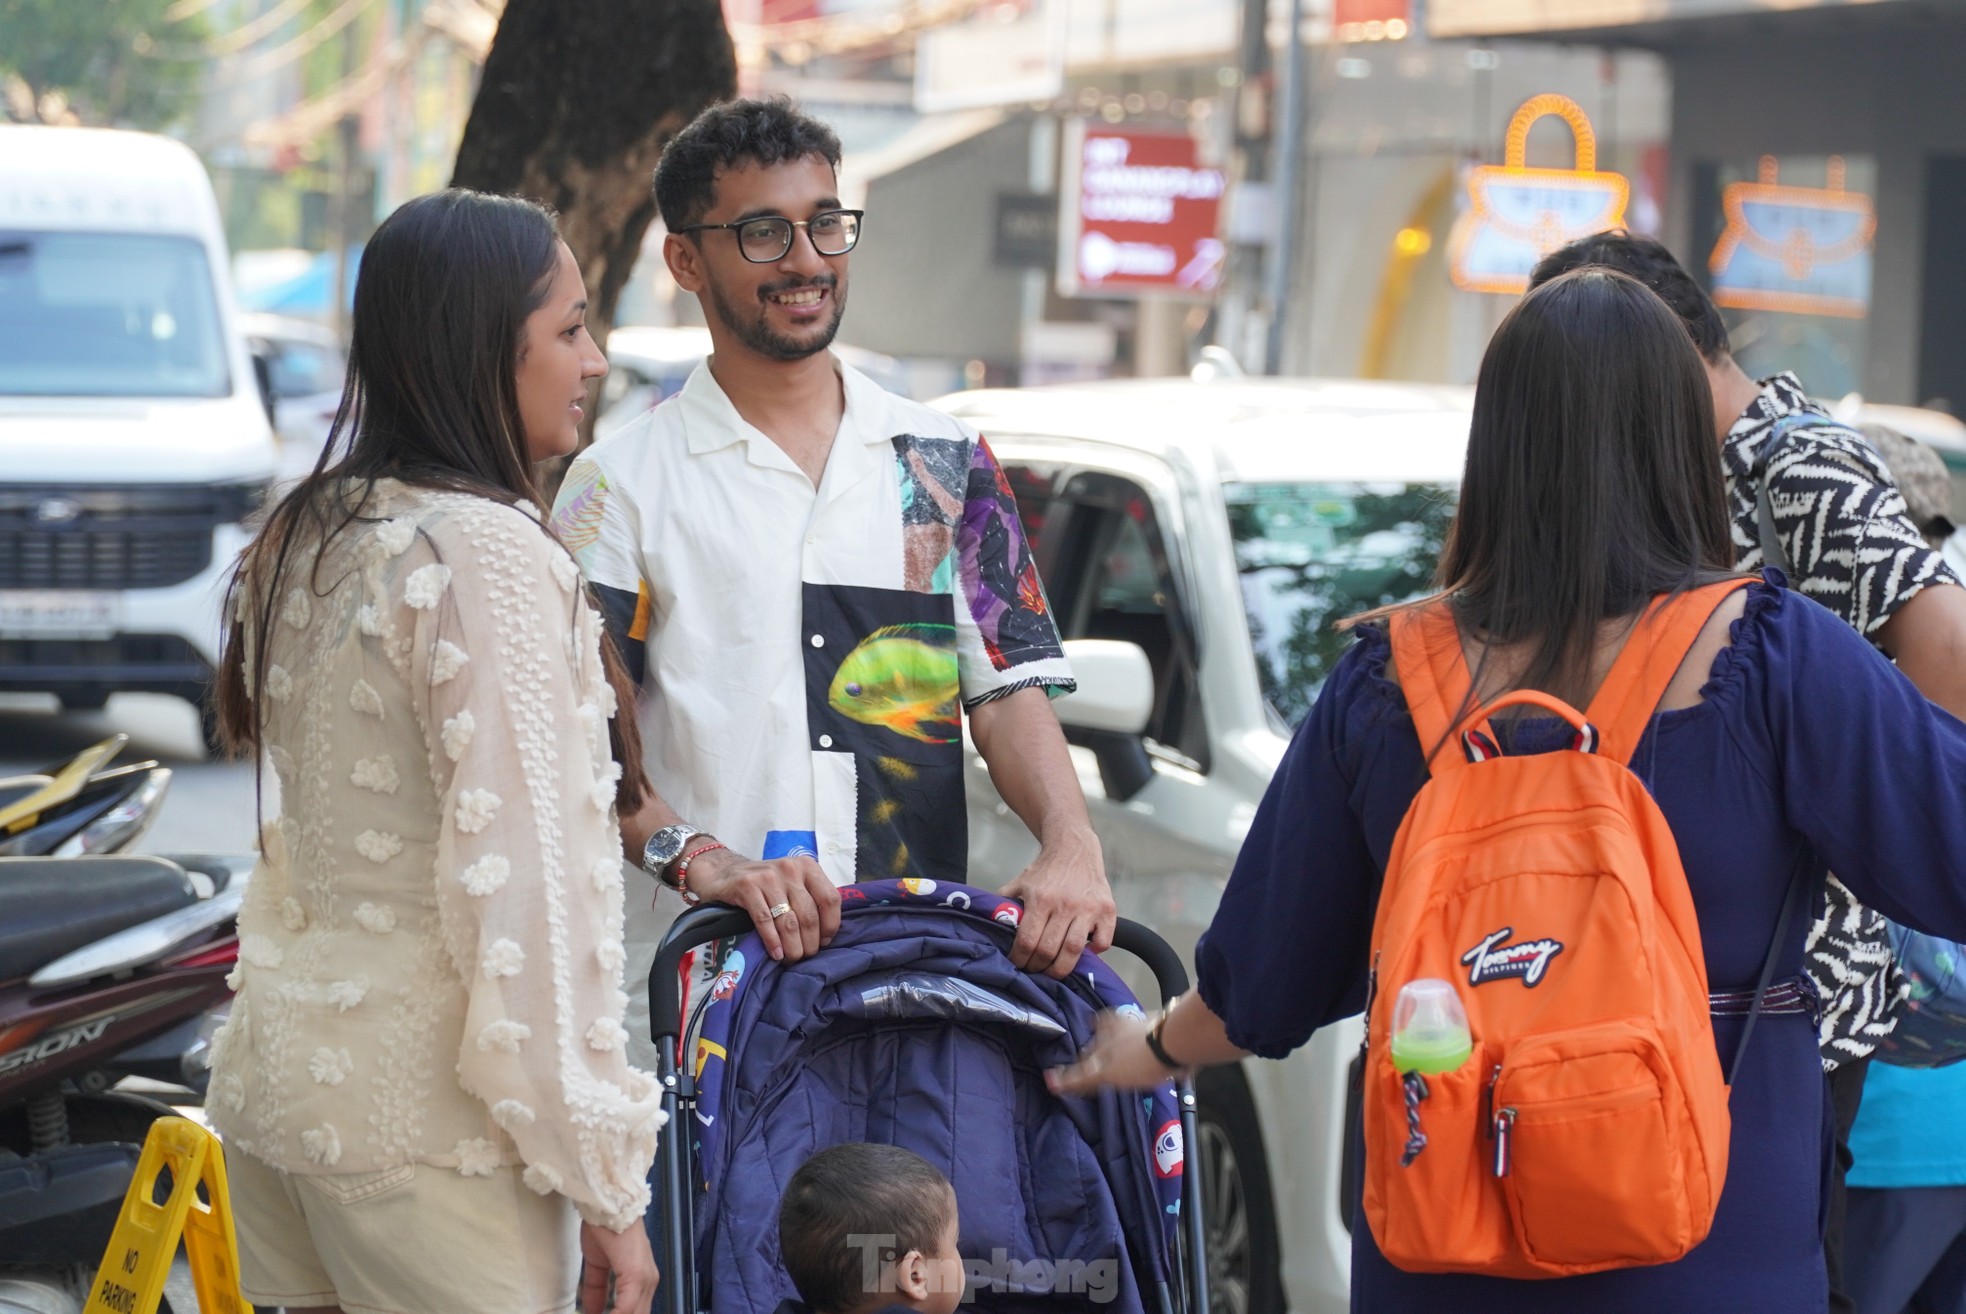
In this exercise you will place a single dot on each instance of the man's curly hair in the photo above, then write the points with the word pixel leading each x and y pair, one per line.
pixel 765 132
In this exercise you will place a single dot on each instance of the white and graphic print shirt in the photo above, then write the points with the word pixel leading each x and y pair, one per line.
pixel 1851 547
pixel 806 654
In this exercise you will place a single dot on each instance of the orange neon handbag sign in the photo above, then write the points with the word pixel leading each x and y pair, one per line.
pixel 1517 215
pixel 1801 250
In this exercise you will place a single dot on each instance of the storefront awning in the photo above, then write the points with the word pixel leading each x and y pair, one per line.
pixel 1671 22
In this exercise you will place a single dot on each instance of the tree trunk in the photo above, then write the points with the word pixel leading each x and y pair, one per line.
pixel 577 101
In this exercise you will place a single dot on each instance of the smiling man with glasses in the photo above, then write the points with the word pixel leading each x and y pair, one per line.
pixel 815 582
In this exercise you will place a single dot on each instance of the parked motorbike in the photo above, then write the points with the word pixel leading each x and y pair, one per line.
pixel 109 967
pixel 81 806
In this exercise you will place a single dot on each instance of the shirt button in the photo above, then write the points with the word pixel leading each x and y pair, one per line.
pixel 825 741
pixel 832 846
pixel 819 641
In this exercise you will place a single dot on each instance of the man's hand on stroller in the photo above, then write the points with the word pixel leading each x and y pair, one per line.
pixel 1067 903
pixel 1068 906
pixel 795 907
pixel 622 1258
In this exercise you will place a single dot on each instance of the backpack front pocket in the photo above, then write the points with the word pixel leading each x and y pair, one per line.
pixel 1588 1150
pixel 1429 1199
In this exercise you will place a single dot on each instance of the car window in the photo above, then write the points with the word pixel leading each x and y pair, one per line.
pixel 1119 585
pixel 1311 554
pixel 108 315
pixel 302 369
pixel 1032 487
pixel 1128 583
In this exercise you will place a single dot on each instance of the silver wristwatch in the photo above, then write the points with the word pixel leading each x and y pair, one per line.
pixel 665 846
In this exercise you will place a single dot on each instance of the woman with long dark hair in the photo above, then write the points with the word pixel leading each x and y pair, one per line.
pixel 1783 744
pixel 422 1087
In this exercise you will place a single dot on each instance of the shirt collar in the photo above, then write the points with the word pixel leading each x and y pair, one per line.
pixel 1780 395
pixel 711 421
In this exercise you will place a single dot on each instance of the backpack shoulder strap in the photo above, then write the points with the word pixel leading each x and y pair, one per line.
pixel 1773 553
pixel 1652 655
pixel 1433 674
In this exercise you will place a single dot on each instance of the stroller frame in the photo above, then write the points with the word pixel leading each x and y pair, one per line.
pixel 1187 1293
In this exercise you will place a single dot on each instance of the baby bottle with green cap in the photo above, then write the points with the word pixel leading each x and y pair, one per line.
pixel 1430 1028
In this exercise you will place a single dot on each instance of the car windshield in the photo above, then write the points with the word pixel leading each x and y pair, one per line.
pixel 1311 555
pixel 303 369
pixel 108 315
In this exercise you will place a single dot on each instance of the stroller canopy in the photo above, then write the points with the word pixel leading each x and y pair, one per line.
pixel 914 1029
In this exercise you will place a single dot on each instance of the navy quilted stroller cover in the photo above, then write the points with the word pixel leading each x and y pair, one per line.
pixel 913 1028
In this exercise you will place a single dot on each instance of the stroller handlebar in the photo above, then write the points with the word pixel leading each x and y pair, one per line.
pixel 716 921
pixel 695 928
pixel 1145 944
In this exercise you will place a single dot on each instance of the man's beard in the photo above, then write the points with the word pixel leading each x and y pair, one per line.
pixel 759 337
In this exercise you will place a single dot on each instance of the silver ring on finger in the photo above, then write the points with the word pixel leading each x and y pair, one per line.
pixel 778 910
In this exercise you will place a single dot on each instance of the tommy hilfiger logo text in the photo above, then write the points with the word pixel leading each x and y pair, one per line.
pixel 1491 960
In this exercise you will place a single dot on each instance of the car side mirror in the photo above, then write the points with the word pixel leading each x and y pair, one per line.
pixel 1109 711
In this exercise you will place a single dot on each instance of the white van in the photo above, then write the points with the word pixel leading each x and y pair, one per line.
pixel 1197 540
pixel 134 434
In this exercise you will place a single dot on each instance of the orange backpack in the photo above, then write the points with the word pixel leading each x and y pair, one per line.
pixel 1588 1129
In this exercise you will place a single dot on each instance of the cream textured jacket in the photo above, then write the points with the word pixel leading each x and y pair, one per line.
pixel 430 949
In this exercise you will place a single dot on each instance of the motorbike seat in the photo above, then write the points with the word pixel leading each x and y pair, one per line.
pixel 53 906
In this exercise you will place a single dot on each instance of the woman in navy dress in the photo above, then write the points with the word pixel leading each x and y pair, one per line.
pixel 1786 744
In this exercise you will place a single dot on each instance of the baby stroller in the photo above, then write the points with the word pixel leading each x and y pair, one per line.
pixel 913 1029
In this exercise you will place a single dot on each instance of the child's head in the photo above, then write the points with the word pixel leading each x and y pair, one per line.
pixel 863 1226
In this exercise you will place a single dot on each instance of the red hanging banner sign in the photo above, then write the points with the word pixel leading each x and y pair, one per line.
pixel 1139 213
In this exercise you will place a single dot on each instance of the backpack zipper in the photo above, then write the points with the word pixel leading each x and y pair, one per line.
pixel 1504 1125
pixel 1372 983
pixel 1488 1101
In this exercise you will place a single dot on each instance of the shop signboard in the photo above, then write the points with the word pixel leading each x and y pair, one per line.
pixel 1516 215
pixel 1027 230
pixel 1531 18
pixel 1371 20
pixel 1799 250
pixel 1138 214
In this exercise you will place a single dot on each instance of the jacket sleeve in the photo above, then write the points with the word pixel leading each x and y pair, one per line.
pixel 528 879
pixel 1845 527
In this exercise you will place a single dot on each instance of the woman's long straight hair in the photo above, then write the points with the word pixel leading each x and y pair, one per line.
pixel 431 399
pixel 1593 480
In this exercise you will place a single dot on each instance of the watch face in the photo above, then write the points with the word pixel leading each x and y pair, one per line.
pixel 666 845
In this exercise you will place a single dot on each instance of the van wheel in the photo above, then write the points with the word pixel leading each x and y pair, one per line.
pixel 1240 1219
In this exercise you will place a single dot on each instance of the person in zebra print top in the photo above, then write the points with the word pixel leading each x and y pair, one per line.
pixel 1850 545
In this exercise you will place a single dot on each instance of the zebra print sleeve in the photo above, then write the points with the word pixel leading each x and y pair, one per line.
pixel 1845 526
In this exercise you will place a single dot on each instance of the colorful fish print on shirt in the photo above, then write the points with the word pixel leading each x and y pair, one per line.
pixel 883 686
pixel 902 677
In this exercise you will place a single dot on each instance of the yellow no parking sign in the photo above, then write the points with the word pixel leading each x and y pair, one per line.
pixel 138 1261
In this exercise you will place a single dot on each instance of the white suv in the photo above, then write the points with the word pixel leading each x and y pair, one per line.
pixel 134 436
pixel 1197 540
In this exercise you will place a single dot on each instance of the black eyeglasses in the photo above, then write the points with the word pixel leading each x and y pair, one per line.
pixel 768 237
